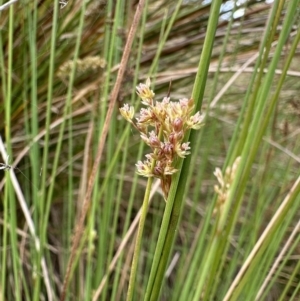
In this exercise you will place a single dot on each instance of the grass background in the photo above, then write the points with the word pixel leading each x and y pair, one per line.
pixel 58 67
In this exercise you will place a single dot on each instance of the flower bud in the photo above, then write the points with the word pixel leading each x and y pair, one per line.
pixel 173 138
pixel 168 149
pixel 158 170
pixel 154 142
pixel 177 124
pixel 179 136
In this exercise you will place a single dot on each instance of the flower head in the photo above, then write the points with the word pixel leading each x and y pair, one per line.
pixel 145 93
pixel 162 125
pixel 182 150
pixel 196 121
pixel 144 168
pixel 225 180
pixel 146 117
pixel 127 112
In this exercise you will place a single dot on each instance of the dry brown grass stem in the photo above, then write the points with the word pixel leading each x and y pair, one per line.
pixel 113 98
pixel 281 256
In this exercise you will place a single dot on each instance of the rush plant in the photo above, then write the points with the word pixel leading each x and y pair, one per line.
pixel 162 125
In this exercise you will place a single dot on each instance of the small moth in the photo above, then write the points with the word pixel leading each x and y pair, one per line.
pixel 5 166
pixel 63 4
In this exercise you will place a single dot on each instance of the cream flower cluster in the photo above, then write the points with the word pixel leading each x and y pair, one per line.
pixel 162 126
pixel 225 182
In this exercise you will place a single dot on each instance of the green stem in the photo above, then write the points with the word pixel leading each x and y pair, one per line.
pixel 175 200
pixel 138 242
